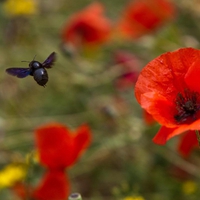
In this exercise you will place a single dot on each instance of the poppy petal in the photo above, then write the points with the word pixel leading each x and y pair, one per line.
pixel 159 107
pixel 165 133
pixel 54 143
pixel 162 135
pixel 187 143
pixel 81 140
pixel 59 147
pixel 185 127
pixel 192 76
pixel 54 186
pixel 149 120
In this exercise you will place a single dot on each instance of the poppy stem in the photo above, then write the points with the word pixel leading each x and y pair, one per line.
pixel 29 174
pixel 75 196
pixel 198 136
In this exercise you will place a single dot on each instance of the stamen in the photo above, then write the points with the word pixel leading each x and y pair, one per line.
pixel 187 106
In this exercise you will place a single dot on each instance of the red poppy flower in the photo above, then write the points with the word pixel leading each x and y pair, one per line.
pixel 54 186
pixel 142 16
pixel 187 143
pixel 88 26
pixel 60 147
pixel 168 89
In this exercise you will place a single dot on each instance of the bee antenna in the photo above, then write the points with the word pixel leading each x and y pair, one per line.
pixel 25 61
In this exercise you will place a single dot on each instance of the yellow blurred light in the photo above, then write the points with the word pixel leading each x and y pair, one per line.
pixel 189 187
pixel 134 198
pixel 20 7
pixel 11 174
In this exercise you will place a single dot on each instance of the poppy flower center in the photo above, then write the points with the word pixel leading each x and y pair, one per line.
pixel 187 106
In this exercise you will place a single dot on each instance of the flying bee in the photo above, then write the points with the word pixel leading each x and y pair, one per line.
pixel 36 69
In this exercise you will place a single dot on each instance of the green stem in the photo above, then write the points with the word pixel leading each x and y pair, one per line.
pixel 198 136
pixel 75 196
pixel 29 175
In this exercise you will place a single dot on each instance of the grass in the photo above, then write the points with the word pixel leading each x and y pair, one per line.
pixel 122 160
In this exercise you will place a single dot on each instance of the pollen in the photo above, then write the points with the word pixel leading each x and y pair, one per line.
pixel 187 106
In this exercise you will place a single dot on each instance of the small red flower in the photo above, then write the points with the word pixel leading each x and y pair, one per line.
pixel 168 89
pixel 60 147
pixel 20 190
pixel 130 67
pixel 128 60
pixel 88 26
pixel 142 16
pixel 126 80
pixel 187 143
pixel 54 186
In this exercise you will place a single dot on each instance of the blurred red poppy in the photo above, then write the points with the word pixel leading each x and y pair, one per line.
pixel 168 89
pixel 60 147
pixel 20 190
pixel 126 81
pixel 187 143
pixel 128 60
pixel 130 67
pixel 54 186
pixel 142 16
pixel 88 26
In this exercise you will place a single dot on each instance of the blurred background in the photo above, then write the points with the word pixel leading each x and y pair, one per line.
pixel 101 48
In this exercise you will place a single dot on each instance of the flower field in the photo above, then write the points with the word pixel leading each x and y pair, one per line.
pixel 100 98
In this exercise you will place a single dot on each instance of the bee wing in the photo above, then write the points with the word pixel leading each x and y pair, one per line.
pixel 50 60
pixel 19 72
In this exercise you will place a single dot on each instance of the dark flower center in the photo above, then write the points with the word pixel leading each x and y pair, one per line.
pixel 187 106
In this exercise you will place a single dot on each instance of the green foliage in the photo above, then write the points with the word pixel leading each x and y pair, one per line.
pixel 122 160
